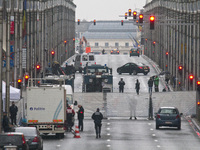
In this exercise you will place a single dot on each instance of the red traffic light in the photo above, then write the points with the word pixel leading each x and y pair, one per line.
pixel 126 15
pixel 198 103
pixel 198 82
pixel 78 21
pixel 65 41
pixel 141 16
pixel 19 80
pixel 37 67
pixel 129 12
pixel 52 52
pixel 134 13
pixel 167 53
pixel 152 18
pixel 180 67
pixel 154 42
pixel 191 77
pixel 26 77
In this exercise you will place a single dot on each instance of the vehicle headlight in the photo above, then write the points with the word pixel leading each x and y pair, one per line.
pixel 90 80
pixel 105 80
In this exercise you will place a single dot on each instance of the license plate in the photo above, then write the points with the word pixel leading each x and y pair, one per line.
pixel 168 122
pixel 146 70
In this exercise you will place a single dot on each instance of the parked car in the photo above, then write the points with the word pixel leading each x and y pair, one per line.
pixel 134 68
pixel 115 51
pixel 33 137
pixel 13 139
pixel 134 52
pixel 168 116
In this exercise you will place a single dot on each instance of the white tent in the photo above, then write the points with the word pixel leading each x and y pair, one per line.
pixel 14 92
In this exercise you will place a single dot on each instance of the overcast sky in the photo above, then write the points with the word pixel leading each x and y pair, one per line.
pixel 105 9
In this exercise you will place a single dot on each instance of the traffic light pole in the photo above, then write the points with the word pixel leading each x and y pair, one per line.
pixel 197 106
pixel 150 107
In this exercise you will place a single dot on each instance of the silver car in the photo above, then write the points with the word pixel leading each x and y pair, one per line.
pixel 168 116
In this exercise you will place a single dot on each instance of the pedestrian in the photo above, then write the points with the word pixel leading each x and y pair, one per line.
pixel 6 123
pixel 70 114
pixel 156 83
pixel 150 84
pixel 13 113
pixel 121 86
pixel 97 117
pixel 137 86
pixel 80 117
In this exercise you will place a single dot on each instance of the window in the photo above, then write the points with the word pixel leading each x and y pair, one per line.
pixel 91 57
pixel 96 45
pixel 106 44
pixel 126 44
pixel 84 58
pixel 116 44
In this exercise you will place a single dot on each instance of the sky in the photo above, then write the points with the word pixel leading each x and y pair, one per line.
pixel 105 9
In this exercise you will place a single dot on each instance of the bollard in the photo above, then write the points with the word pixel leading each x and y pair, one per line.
pixel 105 103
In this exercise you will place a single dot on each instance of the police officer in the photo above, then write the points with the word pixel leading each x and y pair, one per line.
pixel 6 123
pixel 13 113
pixel 121 85
pixel 97 117
pixel 137 86
pixel 70 114
pixel 150 84
pixel 80 117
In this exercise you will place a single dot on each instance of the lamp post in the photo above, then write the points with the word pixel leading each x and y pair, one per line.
pixel 16 9
pixel 7 102
pixel 1 47
pixel 28 38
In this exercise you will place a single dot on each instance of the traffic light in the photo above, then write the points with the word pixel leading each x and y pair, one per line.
pixel 52 54
pixel 129 12
pixel 198 86
pixel 26 79
pixel 19 81
pixel 167 53
pixel 65 42
pixel 198 104
pixel 191 77
pixel 122 22
pixel 152 19
pixel 126 15
pixel 134 15
pixel 180 69
pixel 78 22
pixel 94 22
pixel 154 43
pixel 141 18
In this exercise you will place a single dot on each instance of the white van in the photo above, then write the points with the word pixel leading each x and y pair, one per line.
pixel 82 59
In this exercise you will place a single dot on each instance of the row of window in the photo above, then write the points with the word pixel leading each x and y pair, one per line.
pixel 107 44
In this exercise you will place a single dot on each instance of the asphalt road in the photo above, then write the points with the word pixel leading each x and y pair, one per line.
pixel 122 133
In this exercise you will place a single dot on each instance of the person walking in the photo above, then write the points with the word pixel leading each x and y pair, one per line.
pixel 97 117
pixel 13 113
pixel 150 84
pixel 80 117
pixel 121 86
pixel 156 83
pixel 6 123
pixel 137 86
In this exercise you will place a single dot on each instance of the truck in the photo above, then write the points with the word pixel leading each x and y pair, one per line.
pixel 46 109
pixel 97 78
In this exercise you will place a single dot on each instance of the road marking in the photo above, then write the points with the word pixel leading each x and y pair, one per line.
pixel 158 146
pixel 108 128
pixel 108 118
pixel 149 124
pixel 153 135
pixel 108 134
pixel 108 145
pixel 108 123
pixel 156 140
pixel 151 129
pixel 108 140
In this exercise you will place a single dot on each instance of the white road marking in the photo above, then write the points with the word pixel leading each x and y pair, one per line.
pixel 151 129
pixel 108 134
pixel 108 140
pixel 158 145
pixel 156 140
pixel 108 145
pixel 108 123
pixel 153 135
pixel 149 124
pixel 108 128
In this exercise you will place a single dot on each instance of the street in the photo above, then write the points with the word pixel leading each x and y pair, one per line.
pixel 127 134
pixel 118 132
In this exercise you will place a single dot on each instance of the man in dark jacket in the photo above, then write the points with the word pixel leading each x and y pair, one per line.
pixel 5 123
pixel 121 85
pixel 80 117
pixel 97 117
pixel 150 84
pixel 13 113
pixel 137 86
